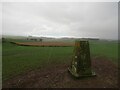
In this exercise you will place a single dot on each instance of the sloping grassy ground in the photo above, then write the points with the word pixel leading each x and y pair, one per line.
pixel 107 49
pixel 0 64
pixel 21 58
pixel 18 59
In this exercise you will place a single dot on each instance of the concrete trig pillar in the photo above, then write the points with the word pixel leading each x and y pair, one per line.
pixel 81 63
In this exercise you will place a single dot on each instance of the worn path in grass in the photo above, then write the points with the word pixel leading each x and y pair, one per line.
pixel 57 76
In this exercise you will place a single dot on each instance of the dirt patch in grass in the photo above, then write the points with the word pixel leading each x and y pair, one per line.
pixel 57 76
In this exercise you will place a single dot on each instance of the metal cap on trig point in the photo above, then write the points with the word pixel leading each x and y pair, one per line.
pixel 81 63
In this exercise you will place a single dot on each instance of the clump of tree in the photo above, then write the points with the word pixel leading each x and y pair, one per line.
pixel 3 40
pixel 34 39
pixel 40 40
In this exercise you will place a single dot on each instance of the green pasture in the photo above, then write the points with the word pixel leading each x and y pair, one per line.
pixel 107 49
pixel 18 59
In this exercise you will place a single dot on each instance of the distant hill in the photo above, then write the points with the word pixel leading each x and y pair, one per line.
pixel 13 37
pixel 53 38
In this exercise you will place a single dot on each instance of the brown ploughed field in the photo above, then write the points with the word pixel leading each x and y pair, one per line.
pixel 57 44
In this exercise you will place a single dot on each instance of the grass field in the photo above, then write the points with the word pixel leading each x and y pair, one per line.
pixel 18 59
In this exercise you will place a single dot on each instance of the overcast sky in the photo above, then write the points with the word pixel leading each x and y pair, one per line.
pixel 75 19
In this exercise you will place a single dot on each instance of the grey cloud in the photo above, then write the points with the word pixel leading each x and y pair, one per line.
pixel 61 19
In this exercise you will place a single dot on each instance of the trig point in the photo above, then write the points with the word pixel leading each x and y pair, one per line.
pixel 81 63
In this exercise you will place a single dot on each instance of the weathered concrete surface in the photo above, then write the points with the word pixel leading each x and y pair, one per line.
pixel 81 63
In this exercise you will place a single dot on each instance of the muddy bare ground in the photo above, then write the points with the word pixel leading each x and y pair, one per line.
pixel 57 76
